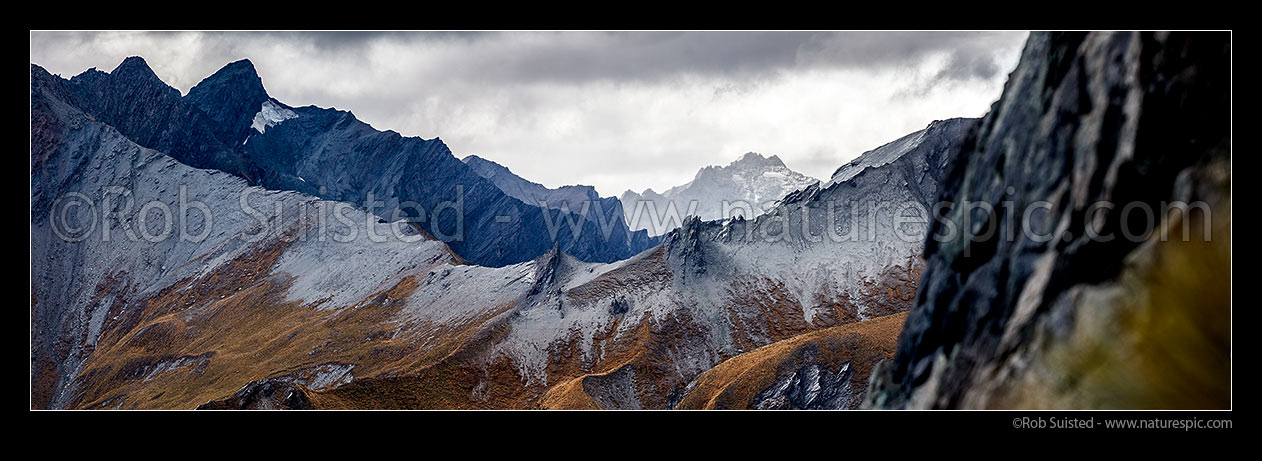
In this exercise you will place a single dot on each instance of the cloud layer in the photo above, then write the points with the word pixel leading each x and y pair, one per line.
pixel 617 110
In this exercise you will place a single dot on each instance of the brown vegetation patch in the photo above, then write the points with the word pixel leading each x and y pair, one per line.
pixel 237 318
pixel 763 311
pixel 649 272
pixel 736 382
pixel 892 291
pixel 637 371
pixel 568 395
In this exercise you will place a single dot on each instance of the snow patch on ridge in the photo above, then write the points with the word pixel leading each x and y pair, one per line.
pixel 271 114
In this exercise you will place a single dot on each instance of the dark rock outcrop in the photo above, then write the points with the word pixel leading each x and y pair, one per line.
pixel 809 388
pixel 1043 310
pixel 268 394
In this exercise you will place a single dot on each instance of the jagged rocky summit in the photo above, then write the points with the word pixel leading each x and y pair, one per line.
pixel 750 185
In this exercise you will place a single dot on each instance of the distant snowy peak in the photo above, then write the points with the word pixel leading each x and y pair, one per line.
pixel 754 160
pixel 271 114
pixel 744 187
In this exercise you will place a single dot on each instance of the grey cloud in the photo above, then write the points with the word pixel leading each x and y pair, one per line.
pixel 974 52
pixel 965 66
pixel 817 159
pixel 570 57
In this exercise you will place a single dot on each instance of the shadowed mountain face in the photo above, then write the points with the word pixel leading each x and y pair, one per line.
pixel 229 123
pixel 606 212
pixel 825 370
pixel 1091 307
pixel 531 192
pixel 230 97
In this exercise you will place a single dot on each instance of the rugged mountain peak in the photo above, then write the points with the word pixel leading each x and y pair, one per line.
pixel 749 162
pixel 755 159
pixel 92 74
pixel 133 100
pixel 238 76
pixel 485 168
pixel 743 187
pixel 41 81
pixel 685 246
pixel 135 67
pixel 233 96
pixel 132 81
pixel 240 65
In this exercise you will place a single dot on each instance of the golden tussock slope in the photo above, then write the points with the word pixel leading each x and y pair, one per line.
pixel 735 383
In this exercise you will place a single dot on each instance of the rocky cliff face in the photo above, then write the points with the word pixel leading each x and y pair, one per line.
pixel 1046 311
pixel 230 97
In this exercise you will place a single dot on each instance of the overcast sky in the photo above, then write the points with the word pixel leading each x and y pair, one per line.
pixel 616 110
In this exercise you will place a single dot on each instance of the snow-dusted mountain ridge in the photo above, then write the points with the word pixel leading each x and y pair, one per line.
pixel 951 129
